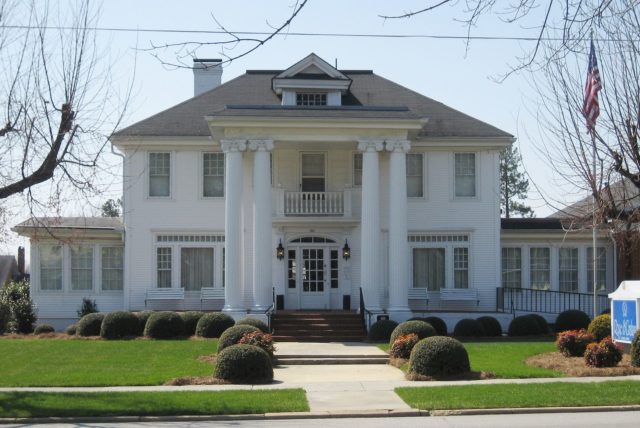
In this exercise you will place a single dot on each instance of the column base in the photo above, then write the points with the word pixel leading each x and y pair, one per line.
pixel 400 314
pixel 235 313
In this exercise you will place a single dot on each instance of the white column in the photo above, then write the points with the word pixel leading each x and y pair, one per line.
pixel 263 250
pixel 398 245
pixel 233 301
pixel 370 223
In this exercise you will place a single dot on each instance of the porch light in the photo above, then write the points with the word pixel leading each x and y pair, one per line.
pixel 346 251
pixel 280 251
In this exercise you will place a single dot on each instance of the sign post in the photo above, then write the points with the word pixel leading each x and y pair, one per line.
pixel 625 311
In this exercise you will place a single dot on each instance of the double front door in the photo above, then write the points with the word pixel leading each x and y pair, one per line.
pixel 312 277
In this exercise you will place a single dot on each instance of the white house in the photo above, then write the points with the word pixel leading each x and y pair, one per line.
pixel 298 188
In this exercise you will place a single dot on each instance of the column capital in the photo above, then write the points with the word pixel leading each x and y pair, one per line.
pixel 261 145
pixel 233 145
pixel 401 146
pixel 370 145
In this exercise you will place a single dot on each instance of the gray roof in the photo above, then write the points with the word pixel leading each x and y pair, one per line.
pixel 369 95
pixel 91 223
pixel 625 194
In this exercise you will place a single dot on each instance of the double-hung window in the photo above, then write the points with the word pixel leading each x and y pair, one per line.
pixel 540 268
pixel 51 268
pixel 82 268
pixel 163 266
pixel 196 268
pixel 429 268
pixel 415 175
pixel 601 269
pixel 568 271
pixel 357 169
pixel 159 174
pixel 465 174
pixel 112 268
pixel 512 267
pixel 213 174
pixel 461 267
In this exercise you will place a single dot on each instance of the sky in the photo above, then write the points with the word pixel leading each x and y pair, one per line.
pixel 461 76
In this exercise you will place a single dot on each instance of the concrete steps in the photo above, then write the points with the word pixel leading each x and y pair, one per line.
pixel 290 360
pixel 317 326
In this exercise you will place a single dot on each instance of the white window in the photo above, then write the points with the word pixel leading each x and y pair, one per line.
pixel 213 174
pixel 540 268
pixel 568 271
pixel 461 267
pixel 82 268
pixel 429 268
pixel 465 174
pixel 415 175
pixel 313 172
pixel 601 266
pixel 159 174
pixel 163 266
pixel 196 268
pixel 512 267
pixel 311 99
pixel 112 268
pixel 357 169
pixel 51 268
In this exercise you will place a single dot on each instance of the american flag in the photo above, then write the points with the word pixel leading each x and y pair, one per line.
pixel 590 108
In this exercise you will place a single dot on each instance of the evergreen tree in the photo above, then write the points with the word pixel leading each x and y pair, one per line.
pixel 111 208
pixel 513 185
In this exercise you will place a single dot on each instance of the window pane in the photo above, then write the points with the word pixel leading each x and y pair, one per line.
pixel 51 268
pixel 540 263
pixel 311 99
pixel 568 269
pixel 213 174
pixel 313 165
pixel 461 267
pixel 82 268
pixel 415 175
pixel 357 169
pixel 163 263
pixel 428 268
pixel 196 268
pixel 159 174
pixel 465 174
pixel 112 268
pixel 601 264
pixel 511 267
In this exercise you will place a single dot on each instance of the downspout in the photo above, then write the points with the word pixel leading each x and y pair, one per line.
pixel 126 303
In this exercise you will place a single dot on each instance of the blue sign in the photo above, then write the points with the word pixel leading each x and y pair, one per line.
pixel 625 321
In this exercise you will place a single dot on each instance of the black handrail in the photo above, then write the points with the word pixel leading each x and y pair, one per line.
pixel 510 299
pixel 364 311
pixel 270 310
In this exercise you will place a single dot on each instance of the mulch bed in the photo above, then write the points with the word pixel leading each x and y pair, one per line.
pixel 575 366
pixel 399 362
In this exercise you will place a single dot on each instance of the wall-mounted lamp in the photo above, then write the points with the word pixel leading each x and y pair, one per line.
pixel 346 251
pixel 280 251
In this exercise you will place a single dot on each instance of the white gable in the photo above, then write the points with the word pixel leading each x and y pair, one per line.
pixel 329 78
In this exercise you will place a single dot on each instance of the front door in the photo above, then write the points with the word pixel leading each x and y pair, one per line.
pixel 312 277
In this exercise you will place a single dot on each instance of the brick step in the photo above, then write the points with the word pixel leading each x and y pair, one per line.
pixel 318 338
pixel 302 330
pixel 316 325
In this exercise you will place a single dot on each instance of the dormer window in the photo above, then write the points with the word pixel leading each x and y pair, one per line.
pixel 311 99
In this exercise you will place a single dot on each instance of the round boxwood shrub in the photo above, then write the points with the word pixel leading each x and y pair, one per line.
pixel 600 327
pixel 244 363
pixel 524 325
pixel 491 326
pixel 119 324
pixel 191 319
pixel 438 324
pixel 572 319
pixel 420 328
pixel 635 350
pixel 164 325
pixel 232 335
pixel 43 329
pixel 543 325
pixel 439 356
pixel 256 323
pixel 71 330
pixel 469 328
pixel 213 324
pixel 380 331
pixel 89 325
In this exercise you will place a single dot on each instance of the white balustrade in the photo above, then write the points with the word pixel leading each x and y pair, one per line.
pixel 314 204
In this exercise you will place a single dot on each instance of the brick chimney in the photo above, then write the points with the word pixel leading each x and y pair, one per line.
pixel 207 74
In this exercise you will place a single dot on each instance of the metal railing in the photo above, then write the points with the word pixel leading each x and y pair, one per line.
pixel 270 310
pixel 314 203
pixel 546 301
pixel 365 314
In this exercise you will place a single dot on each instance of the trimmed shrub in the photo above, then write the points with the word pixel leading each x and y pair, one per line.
pixel 244 363
pixel 439 356
pixel 143 317
pixel 164 325
pixel 600 327
pixel 232 335
pixel 213 324
pixel 403 345
pixel 524 325
pixel 491 326
pixel 603 354
pixel 438 324
pixel 44 329
pixel 635 350
pixel 573 343
pixel 469 328
pixel 87 307
pixel 543 325
pixel 5 317
pixel 420 328
pixel 259 339
pixel 191 319
pixel 89 325
pixel 380 331
pixel 256 323
pixel 572 320
pixel 119 324
pixel 22 311
pixel 70 330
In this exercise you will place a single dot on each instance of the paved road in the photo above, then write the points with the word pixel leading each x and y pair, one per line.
pixel 557 420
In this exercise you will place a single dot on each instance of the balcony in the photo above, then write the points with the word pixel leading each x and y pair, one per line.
pixel 314 204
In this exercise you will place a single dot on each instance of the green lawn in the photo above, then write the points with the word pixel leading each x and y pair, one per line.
pixel 40 404
pixel 532 395
pixel 42 362
pixel 506 359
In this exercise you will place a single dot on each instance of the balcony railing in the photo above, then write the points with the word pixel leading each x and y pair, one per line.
pixel 314 204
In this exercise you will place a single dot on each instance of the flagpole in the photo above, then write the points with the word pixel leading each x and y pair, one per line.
pixel 594 252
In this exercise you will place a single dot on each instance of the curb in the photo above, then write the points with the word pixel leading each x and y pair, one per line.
pixel 533 410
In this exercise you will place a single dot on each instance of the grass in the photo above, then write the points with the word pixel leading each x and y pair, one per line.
pixel 517 396
pixel 505 359
pixel 50 362
pixel 41 404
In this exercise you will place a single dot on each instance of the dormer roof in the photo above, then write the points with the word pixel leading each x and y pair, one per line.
pixel 311 73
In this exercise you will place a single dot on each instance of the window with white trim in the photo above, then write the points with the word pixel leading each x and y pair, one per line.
pixel 163 266
pixel 429 268
pixel 415 175
pixel 213 174
pixel 568 269
pixel 159 174
pixel 601 266
pixel 357 169
pixel 465 174
pixel 81 268
pixel 311 99
pixel 112 261
pixel 461 267
pixel 196 268
pixel 512 267
pixel 540 268
pixel 50 268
